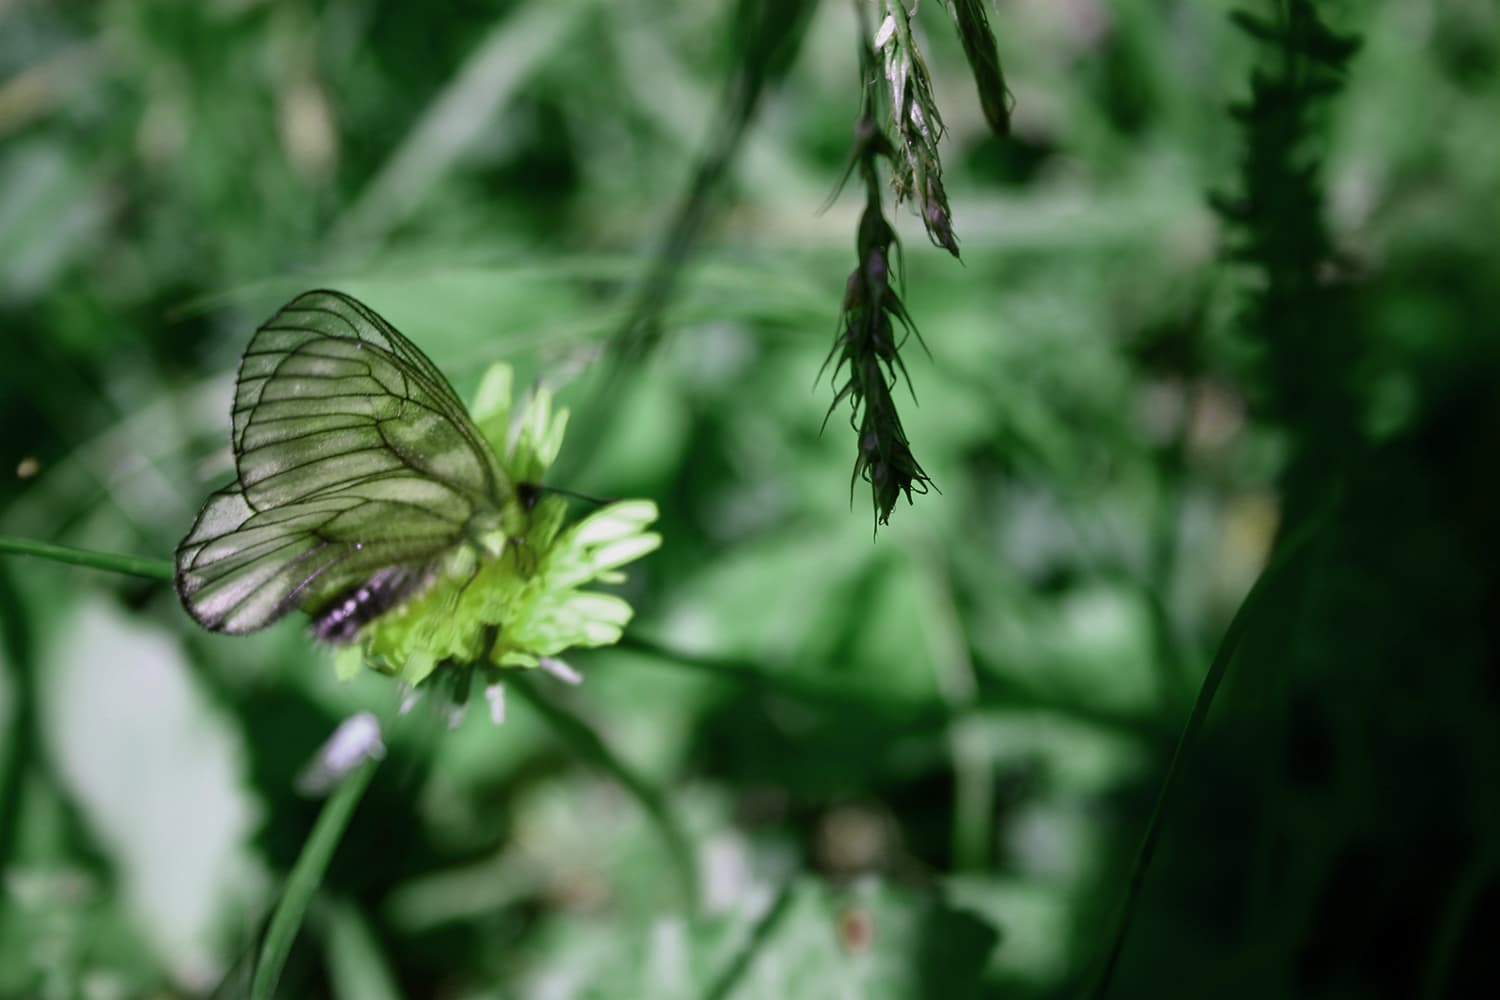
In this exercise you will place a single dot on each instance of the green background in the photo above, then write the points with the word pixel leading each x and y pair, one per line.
pixel 912 766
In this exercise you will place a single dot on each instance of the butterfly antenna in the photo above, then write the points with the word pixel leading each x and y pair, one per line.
pixel 530 493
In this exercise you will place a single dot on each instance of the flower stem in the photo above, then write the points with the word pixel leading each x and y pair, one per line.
pixel 305 877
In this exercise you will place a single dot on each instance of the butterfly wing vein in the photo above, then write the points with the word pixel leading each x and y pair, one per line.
pixel 354 456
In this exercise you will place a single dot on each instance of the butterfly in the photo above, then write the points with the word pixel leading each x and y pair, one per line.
pixel 359 471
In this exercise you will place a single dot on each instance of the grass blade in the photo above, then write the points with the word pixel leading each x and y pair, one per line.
pixel 1217 670
pixel 305 877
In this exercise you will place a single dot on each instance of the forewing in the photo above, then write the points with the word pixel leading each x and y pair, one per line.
pixel 330 396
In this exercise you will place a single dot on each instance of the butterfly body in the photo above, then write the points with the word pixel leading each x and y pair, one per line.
pixel 340 620
pixel 361 478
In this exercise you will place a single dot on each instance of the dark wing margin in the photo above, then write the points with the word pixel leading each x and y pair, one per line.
pixel 355 457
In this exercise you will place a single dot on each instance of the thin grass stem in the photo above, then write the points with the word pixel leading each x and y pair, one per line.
pixel 306 876
pixel 1217 671
pixel 150 569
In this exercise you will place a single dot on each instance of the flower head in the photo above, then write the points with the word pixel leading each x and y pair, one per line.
pixel 516 594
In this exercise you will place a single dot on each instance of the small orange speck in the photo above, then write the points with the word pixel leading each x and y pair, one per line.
pixel 856 929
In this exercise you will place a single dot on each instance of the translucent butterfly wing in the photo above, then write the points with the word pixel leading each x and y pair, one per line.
pixel 329 394
pixel 239 570
pixel 354 456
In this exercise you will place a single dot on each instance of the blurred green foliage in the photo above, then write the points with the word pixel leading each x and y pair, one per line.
pixel 918 766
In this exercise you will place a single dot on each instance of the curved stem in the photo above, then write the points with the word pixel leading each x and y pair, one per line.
pixel 305 877
pixel 1217 670
pixel 733 974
